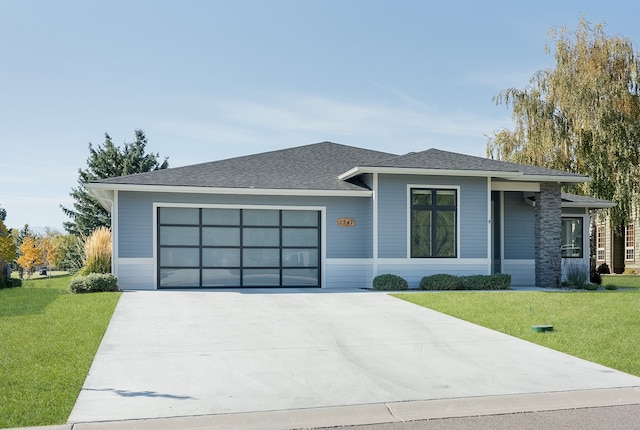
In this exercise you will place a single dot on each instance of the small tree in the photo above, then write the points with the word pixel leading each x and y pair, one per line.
pixel 7 249
pixel 31 254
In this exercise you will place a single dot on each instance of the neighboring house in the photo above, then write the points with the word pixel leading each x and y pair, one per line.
pixel 618 251
pixel 335 216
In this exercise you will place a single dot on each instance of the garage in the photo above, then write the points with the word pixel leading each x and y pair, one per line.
pixel 215 247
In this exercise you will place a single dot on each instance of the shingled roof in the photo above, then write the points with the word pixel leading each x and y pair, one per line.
pixel 323 166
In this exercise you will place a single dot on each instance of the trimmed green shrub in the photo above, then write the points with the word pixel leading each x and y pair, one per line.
pixel 497 281
pixel 629 272
pixel 389 282
pixel 441 281
pixel 590 287
pixel 610 287
pixel 94 283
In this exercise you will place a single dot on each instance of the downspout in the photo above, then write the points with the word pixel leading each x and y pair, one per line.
pixel 375 225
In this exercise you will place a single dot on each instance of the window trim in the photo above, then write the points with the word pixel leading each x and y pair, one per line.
pixel 582 234
pixel 628 248
pixel 408 219
pixel 601 242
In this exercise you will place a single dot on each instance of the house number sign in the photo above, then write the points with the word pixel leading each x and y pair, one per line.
pixel 346 222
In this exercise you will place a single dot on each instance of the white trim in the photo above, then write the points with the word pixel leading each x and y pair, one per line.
pixel 515 186
pixel 518 176
pixel 587 205
pixel 350 261
pixel 430 172
pixel 323 228
pixel 489 227
pixel 375 222
pixel 408 209
pixel 97 189
pixel 585 237
pixel 501 231
pixel 125 261
pixel 115 243
pixel 428 262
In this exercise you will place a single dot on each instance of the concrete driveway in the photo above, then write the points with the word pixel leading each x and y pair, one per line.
pixel 185 353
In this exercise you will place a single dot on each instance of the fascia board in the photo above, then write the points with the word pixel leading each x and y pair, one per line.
pixel 550 178
pixel 239 191
pixel 603 205
pixel 430 172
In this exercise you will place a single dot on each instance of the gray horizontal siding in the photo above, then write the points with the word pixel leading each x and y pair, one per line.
pixel 393 209
pixel 135 219
pixel 519 227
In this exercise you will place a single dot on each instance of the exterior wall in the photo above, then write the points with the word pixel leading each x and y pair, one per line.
pixel 519 227
pixel 473 256
pixel 393 207
pixel 612 242
pixel 583 262
pixel 136 260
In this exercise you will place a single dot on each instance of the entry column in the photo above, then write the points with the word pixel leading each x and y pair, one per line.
pixel 548 214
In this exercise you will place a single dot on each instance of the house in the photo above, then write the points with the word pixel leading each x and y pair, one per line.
pixel 617 248
pixel 335 216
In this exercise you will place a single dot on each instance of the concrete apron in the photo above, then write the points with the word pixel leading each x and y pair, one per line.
pixel 189 353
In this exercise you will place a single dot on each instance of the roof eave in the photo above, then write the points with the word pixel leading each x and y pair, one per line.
pixel 95 188
pixel 433 172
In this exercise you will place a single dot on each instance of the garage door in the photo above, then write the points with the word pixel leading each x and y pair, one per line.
pixel 211 247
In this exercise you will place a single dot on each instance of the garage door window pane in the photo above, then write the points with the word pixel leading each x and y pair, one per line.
pixel 300 277
pixel 261 257
pixel 179 277
pixel 260 217
pixel 220 236
pixel 261 277
pixel 179 235
pixel 300 218
pixel 221 278
pixel 180 257
pixel 220 257
pixel 179 216
pixel 299 257
pixel 261 237
pixel 221 216
pixel 299 237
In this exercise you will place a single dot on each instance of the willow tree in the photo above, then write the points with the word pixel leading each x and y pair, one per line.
pixel 583 115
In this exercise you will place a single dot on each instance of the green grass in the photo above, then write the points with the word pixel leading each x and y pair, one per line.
pixel 621 281
pixel 48 338
pixel 599 326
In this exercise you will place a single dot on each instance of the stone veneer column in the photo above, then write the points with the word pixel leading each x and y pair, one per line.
pixel 548 214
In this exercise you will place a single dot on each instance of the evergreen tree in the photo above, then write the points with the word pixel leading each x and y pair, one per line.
pixel 106 161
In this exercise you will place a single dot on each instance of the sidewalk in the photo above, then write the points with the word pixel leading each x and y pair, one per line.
pixel 380 413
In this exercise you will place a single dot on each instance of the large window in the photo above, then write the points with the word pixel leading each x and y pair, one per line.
pixel 600 243
pixel 433 223
pixel 571 245
pixel 629 243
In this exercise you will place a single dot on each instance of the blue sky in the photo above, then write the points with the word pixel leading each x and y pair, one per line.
pixel 209 80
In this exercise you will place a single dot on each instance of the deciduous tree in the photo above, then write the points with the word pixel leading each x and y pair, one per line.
pixel 107 161
pixel 31 254
pixel 583 115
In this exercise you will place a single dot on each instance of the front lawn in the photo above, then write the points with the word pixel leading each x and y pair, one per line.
pixel 48 338
pixel 599 326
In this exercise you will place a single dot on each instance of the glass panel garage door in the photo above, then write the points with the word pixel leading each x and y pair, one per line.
pixel 228 248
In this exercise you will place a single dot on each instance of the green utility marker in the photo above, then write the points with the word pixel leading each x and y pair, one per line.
pixel 541 328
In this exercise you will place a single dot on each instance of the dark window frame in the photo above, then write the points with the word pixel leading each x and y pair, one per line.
pixel 566 247
pixel 433 208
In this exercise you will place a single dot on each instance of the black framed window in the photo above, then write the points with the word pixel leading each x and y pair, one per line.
pixel 571 242
pixel 434 223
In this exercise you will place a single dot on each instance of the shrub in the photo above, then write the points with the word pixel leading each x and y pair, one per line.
pixel 97 252
pixel 94 283
pixel 610 287
pixel 577 276
pixel 629 272
pixel 595 278
pixel 603 269
pixel 497 281
pixel 10 283
pixel 389 282
pixel 441 281
pixel 590 287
